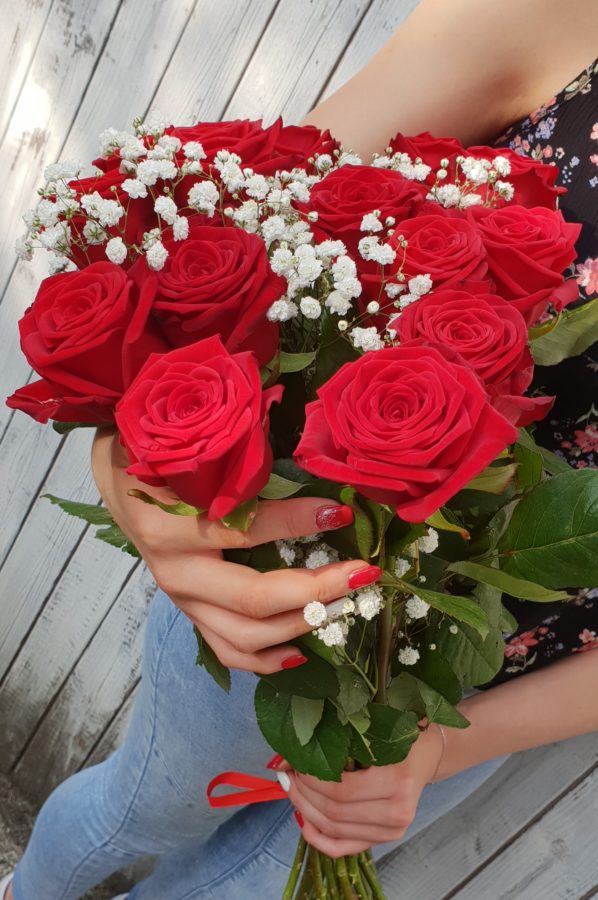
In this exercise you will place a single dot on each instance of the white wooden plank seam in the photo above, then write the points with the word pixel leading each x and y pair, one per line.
pixel 56 695
pixel 341 56
pixel 537 817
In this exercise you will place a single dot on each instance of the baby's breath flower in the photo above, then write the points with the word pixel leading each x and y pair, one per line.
pixel 24 249
pixel 257 186
pixel 92 232
pixel 453 629
pixel 203 197
pixel 369 602
pixel 116 250
pixel 282 310
pixel 180 228
pixel 333 635
pixel 156 256
pixel 448 195
pixel 328 249
pixel 371 222
pixel 416 607
pixel 315 614
pixel 324 162
pixel 502 165
pixel 419 285
pixel 402 566
pixel 373 307
pixel 367 339
pixel 408 656
pixel 310 308
pixel 166 208
pixel 318 558
pixel 134 188
pixel 286 551
pixel 429 542
pixel 505 189
pixel 194 150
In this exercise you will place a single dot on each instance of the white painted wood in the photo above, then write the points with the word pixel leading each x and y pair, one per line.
pixel 100 682
pixel 555 857
pixel 22 25
pixel 111 737
pixel 434 863
pixel 295 56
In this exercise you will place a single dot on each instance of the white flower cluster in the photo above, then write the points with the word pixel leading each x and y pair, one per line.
pixel 477 172
pixel 333 620
pixel 412 169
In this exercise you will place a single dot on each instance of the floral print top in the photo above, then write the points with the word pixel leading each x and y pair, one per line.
pixel 564 132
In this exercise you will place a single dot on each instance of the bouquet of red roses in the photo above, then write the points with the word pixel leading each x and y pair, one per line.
pixel 264 315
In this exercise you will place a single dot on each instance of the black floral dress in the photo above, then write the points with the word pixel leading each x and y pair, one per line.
pixel 564 132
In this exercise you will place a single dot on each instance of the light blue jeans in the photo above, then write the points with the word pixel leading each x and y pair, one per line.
pixel 149 797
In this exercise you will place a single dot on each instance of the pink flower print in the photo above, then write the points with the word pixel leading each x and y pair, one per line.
pixel 588 275
pixel 594 158
pixel 542 630
pixel 589 641
pixel 587 439
pixel 547 152
pixel 526 146
pixel 586 635
pixel 594 134
pixel 519 645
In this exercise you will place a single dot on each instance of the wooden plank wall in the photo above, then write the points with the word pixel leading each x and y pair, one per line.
pixel 71 609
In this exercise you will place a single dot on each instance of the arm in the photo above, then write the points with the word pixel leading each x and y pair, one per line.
pixel 378 805
pixel 462 68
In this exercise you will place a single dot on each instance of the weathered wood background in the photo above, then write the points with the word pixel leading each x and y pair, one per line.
pixel 71 609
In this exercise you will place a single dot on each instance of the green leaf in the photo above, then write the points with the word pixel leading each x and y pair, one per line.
pixel 66 427
pixel 278 488
pixel 403 693
pixel 507 621
pixel 89 512
pixel 440 521
pixel 493 480
pixel 315 679
pixel 306 715
pixel 326 752
pixel 553 464
pixel 241 517
pixel 436 672
pixel 390 735
pixel 208 659
pixel 114 536
pixel 575 331
pixel 176 509
pixel 364 528
pixel 531 466
pixel 334 351
pixel 552 538
pixel 295 362
pixel 536 331
pixel 517 587
pixel 289 470
pixel 438 709
pixel 354 694
pixel 466 609
pixel 475 660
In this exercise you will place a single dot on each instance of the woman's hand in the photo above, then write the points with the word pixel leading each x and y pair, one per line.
pixel 371 806
pixel 249 618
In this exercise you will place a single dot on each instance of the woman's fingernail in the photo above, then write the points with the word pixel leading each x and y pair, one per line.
pixel 330 517
pixel 284 780
pixel 299 818
pixel 275 761
pixel 291 662
pixel 365 576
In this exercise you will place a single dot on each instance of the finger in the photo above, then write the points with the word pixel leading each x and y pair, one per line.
pixel 368 822
pixel 265 662
pixel 366 784
pixel 293 518
pixel 259 594
pixel 250 635
pixel 366 812
pixel 332 846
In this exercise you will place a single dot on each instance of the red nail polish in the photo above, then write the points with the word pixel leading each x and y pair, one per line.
pixel 363 577
pixel 299 819
pixel 291 662
pixel 274 762
pixel 330 517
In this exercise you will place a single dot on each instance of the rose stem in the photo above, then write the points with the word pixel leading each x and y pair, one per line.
pixel 316 872
pixel 330 876
pixel 372 876
pixel 295 869
pixel 343 877
pixel 356 879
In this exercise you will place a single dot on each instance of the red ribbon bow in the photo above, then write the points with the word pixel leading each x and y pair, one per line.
pixel 259 790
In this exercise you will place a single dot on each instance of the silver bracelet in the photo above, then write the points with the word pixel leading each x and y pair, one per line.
pixel 441 757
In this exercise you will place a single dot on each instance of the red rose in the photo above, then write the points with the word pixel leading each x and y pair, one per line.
pixel 490 335
pixel 263 149
pixel 216 281
pixel 428 148
pixel 527 250
pixel 444 245
pixel 346 195
pixel 533 180
pixel 87 334
pixel 408 426
pixel 196 419
pixel 140 216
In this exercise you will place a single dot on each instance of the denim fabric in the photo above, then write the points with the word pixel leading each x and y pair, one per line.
pixel 148 798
